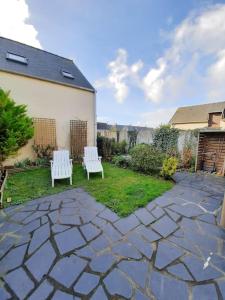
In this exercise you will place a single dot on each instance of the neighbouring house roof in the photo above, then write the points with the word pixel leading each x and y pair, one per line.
pixel 105 126
pixel 196 113
pixel 40 64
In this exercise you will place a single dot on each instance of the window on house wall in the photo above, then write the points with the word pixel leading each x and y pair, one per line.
pixel 17 58
pixel 67 74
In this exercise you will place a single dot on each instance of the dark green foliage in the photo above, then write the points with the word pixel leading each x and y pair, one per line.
pixel 146 158
pixel 165 139
pixel 15 126
pixel 108 147
pixel 123 161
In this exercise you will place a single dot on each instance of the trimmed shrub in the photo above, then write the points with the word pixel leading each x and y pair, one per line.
pixel 146 158
pixel 123 161
pixel 169 167
pixel 108 147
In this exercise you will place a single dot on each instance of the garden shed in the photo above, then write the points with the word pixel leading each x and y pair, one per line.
pixel 211 151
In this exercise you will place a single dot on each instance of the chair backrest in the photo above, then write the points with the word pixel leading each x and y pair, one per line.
pixel 91 153
pixel 61 156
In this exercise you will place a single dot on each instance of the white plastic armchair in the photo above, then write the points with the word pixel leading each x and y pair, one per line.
pixel 61 166
pixel 91 161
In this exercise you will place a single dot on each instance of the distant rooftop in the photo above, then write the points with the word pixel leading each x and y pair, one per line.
pixel 26 60
pixel 196 113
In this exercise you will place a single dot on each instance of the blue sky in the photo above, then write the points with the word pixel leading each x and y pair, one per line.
pixel 145 57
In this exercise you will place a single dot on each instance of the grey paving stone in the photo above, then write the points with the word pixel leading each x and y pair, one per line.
pixel 158 212
pixel 188 245
pixel 151 205
pixel 189 210
pixel 19 282
pixel 99 294
pixel 221 284
pixel 147 233
pixel 55 204
pixel 69 220
pixel 143 246
pixel 44 206
pixel 9 227
pixel 100 243
pixel 174 216
pixel 144 216
pixel 54 216
pixel 30 227
pixel 85 252
pixel 165 226
pixel 59 295
pixel 13 259
pixel 140 296
pixel 109 215
pixel 164 288
pixel 99 222
pixel 111 232
pixel 126 224
pixel 195 266
pixel 87 215
pixel 34 216
pixel 89 231
pixel 117 284
pixel 164 200
pixel 206 291
pixel 56 228
pixel 166 253
pixel 86 283
pixel 180 271
pixel 67 270
pixel 209 218
pixel 69 240
pixel 41 261
pixel 126 250
pixel 137 271
pixel 20 216
pixel 201 240
pixel 5 244
pixel 4 295
pixel 212 230
pixel 40 235
pixel 44 220
pixel 42 292
pixel 102 263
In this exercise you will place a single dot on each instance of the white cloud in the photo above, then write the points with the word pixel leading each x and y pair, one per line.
pixel 156 117
pixel 14 22
pixel 192 67
pixel 194 63
pixel 120 75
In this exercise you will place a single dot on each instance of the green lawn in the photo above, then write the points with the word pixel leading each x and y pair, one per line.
pixel 122 190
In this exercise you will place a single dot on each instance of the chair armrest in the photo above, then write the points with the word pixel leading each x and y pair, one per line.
pixel 71 162
pixel 100 158
pixel 51 162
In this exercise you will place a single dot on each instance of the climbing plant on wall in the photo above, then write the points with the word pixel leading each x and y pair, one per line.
pixel 166 138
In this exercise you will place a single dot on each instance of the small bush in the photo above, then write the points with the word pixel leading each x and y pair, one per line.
pixel 123 161
pixel 169 167
pixel 44 152
pixel 165 139
pixel 108 147
pixel 119 148
pixel 146 158
pixel 23 163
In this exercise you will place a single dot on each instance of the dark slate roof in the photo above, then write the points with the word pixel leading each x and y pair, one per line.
pixel 196 113
pixel 41 64
pixel 105 126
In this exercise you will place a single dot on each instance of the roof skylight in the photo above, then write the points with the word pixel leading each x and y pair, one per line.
pixel 17 58
pixel 67 74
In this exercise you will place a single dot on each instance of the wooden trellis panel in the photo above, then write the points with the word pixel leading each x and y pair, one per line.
pixel 78 138
pixel 44 131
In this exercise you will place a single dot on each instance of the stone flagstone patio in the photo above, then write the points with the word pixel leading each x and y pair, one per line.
pixel 68 246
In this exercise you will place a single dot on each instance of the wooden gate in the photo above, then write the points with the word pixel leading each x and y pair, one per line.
pixel 78 138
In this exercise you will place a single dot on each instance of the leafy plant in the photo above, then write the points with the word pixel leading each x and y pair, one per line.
pixel 165 139
pixel 108 147
pixel 169 167
pixel 146 158
pixel 44 152
pixel 23 163
pixel 15 126
pixel 123 161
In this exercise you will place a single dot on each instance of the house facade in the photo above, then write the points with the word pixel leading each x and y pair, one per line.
pixel 55 92
pixel 211 115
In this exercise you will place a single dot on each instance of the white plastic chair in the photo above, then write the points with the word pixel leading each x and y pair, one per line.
pixel 91 161
pixel 61 166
